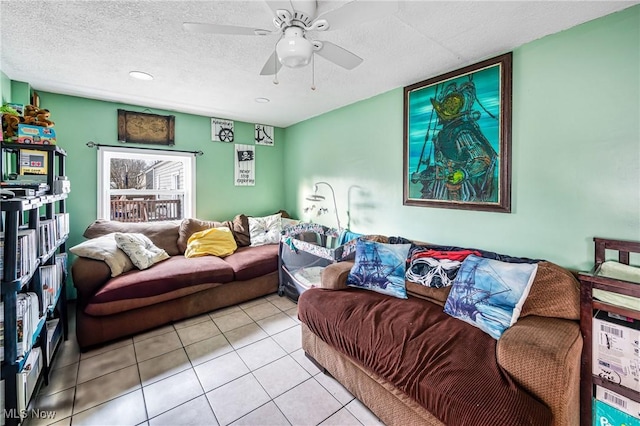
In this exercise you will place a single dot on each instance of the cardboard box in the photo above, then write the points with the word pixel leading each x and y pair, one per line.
pixel 36 135
pixel 616 349
pixel 606 415
pixel 618 401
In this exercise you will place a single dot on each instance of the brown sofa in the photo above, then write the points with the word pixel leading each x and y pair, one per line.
pixel 411 363
pixel 176 288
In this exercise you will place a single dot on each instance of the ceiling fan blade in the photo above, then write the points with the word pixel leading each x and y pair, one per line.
pixel 276 5
pixel 339 55
pixel 272 65
pixel 357 12
pixel 196 27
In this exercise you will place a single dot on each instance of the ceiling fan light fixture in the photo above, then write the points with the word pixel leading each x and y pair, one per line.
pixel 141 75
pixel 293 50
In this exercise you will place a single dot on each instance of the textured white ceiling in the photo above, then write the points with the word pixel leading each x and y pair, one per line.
pixel 87 48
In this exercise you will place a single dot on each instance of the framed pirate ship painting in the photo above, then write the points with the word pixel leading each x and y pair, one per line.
pixel 457 139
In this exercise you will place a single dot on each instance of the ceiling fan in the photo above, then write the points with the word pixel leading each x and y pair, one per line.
pixel 293 19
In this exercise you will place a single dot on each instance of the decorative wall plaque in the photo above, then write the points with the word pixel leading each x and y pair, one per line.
pixel 140 127
pixel 264 135
pixel 221 130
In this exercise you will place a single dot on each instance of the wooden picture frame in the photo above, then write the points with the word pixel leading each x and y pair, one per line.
pixel 457 138
pixel 35 99
pixel 140 127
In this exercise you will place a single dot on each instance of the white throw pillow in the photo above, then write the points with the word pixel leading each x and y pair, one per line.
pixel 106 249
pixel 265 230
pixel 142 252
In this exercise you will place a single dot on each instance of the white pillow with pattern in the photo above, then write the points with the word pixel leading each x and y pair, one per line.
pixel 265 230
pixel 106 249
pixel 142 252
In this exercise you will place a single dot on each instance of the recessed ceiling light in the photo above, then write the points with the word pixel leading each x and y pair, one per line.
pixel 262 100
pixel 141 75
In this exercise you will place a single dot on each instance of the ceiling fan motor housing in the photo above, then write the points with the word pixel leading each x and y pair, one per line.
pixel 293 50
pixel 302 14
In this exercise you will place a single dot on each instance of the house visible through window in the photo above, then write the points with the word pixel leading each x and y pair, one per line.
pixel 144 185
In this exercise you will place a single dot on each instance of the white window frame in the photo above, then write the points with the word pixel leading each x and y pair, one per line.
pixel 175 181
pixel 105 154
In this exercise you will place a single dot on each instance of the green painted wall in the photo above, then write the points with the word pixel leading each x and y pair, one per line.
pixel 20 92
pixel 5 88
pixel 79 120
pixel 576 154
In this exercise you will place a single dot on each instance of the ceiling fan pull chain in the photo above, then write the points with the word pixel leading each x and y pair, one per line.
pixel 275 62
pixel 275 65
pixel 313 72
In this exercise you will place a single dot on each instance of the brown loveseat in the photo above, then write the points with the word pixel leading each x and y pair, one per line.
pixel 411 363
pixel 174 289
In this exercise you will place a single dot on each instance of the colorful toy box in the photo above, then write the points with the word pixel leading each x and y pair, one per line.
pixel 36 135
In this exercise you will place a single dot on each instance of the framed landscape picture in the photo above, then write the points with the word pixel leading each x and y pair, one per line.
pixel 457 139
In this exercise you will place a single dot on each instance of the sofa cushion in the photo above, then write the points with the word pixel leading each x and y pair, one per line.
pixel 163 234
pixel 265 230
pixel 141 251
pixel 435 268
pixel 190 226
pixel 252 262
pixel 240 229
pixel 105 248
pixel 172 274
pixel 551 279
pixel 489 294
pixel 446 365
pixel 123 305
pixel 483 253
pixel 211 242
pixel 386 275
pixel 432 294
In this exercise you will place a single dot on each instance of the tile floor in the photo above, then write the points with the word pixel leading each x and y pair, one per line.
pixel 241 365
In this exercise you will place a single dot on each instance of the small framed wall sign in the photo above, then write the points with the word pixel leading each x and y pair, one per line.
pixel 221 130
pixel 264 135
pixel 140 127
pixel 245 165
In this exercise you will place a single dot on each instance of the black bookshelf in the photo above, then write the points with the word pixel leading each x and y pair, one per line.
pixel 21 213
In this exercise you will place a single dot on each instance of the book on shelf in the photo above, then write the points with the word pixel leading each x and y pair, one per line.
pixel 51 282
pixel 1 331
pixel 54 332
pixel 61 261
pixel 2 418
pixel 62 225
pixel 48 235
pixel 27 252
pixel 27 319
pixel 26 379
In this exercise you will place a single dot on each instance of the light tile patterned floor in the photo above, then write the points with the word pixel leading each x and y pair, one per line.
pixel 241 365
